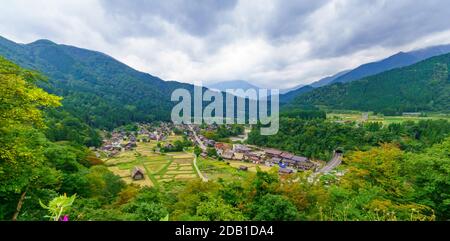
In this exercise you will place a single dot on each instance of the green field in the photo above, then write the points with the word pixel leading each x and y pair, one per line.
pixel 349 116
pixel 214 169
pixel 157 167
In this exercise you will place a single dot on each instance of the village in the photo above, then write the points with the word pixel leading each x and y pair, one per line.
pixel 159 145
pixel 122 140
pixel 287 162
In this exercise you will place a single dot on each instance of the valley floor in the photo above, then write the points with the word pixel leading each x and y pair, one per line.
pixel 158 167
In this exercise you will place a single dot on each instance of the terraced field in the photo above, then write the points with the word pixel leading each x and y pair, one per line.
pixel 157 167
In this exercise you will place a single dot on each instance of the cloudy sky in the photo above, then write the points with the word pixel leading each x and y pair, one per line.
pixel 270 43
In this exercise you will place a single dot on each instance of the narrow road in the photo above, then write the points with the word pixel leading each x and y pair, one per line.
pixel 200 143
pixel 200 174
pixel 333 163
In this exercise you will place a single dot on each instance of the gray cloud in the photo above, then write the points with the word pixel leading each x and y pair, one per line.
pixel 272 43
pixel 357 25
pixel 195 17
pixel 289 17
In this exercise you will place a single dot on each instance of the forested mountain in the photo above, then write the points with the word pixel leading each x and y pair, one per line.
pixel 290 94
pixel 398 60
pixel 98 89
pixel 424 86
pixel 288 97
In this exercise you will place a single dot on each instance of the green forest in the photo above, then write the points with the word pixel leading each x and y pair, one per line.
pixel 395 172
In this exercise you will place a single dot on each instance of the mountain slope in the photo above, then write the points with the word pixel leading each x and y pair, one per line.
pixel 424 86
pixel 328 80
pixel 285 91
pixel 398 60
pixel 100 90
pixel 288 97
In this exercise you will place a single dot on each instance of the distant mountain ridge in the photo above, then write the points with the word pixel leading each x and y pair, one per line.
pixel 327 80
pixel 398 60
pixel 287 90
pixel 424 86
pixel 232 84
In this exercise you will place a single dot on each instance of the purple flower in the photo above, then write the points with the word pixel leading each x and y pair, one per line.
pixel 64 219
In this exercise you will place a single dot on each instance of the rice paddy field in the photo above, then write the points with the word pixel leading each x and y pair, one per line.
pixel 214 169
pixel 157 167
pixel 356 116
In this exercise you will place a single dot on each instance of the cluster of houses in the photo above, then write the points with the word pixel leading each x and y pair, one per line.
pixel 121 140
pixel 118 142
pixel 207 142
pixel 286 159
pixel 287 162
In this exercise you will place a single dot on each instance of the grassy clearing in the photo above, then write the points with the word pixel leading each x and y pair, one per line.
pixel 214 169
pixel 251 166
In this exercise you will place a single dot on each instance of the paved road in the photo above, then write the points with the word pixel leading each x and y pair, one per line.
pixel 200 143
pixel 333 163
pixel 200 174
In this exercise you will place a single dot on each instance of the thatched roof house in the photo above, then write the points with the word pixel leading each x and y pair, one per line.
pixel 243 168
pixel 228 154
pixel 272 152
pixel 286 155
pixel 238 156
pixel 137 173
pixel 285 171
pixel 299 159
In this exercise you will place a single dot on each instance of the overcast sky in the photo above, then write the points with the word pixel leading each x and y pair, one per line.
pixel 275 44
